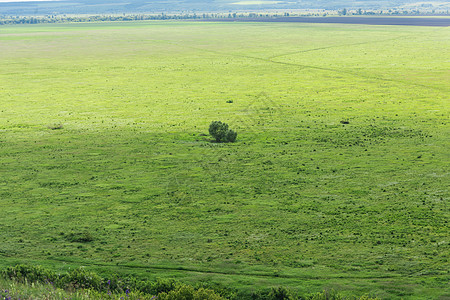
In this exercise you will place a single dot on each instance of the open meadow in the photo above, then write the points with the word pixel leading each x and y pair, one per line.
pixel 338 179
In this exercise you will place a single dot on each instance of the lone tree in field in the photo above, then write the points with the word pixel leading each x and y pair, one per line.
pixel 220 132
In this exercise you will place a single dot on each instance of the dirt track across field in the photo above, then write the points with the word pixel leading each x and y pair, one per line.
pixel 407 21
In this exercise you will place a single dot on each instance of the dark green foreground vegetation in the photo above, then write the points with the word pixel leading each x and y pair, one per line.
pixel 338 178
pixel 32 282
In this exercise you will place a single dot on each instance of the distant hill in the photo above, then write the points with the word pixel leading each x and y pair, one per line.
pixel 147 6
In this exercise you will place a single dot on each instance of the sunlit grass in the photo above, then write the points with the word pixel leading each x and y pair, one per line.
pixel 337 178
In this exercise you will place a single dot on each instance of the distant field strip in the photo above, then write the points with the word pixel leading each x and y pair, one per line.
pixel 395 21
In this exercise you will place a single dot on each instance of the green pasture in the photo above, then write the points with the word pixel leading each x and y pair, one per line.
pixel 338 179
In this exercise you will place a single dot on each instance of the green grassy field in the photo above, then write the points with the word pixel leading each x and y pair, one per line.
pixel 300 200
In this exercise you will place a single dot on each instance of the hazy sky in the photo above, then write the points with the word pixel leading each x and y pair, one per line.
pixel 24 0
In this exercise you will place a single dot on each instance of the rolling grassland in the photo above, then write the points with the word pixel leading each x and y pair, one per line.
pixel 338 178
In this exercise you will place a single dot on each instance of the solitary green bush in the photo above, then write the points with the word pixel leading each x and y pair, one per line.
pixel 220 132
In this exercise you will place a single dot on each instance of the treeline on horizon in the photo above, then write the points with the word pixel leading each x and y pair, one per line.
pixel 10 20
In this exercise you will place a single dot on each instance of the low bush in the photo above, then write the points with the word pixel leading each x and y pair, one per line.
pixel 220 132
pixel 55 126
pixel 80 237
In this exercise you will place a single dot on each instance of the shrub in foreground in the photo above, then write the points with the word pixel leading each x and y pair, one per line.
pixel 220 132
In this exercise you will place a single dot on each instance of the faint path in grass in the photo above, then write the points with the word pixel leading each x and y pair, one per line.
pixel 303 66
pixel 228 54
pixel 335 46
pixel 243 273
pixel 357 74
